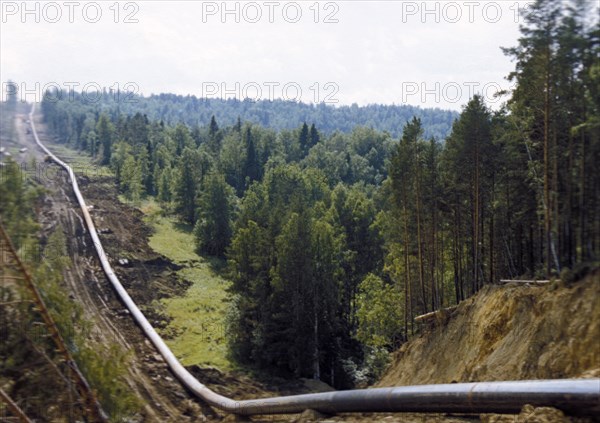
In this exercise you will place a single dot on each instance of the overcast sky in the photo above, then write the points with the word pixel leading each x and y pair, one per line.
pixel 431 54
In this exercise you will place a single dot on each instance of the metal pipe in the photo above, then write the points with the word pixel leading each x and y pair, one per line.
pixel 573 395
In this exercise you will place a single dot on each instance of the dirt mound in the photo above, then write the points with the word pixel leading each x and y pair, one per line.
pixel 240 385
pixel 508 333
pixel 530 414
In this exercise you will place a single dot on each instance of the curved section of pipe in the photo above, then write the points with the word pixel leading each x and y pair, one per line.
pixel 182 374
pixel 580 396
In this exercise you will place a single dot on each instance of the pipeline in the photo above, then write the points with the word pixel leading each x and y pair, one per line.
pixel 580 396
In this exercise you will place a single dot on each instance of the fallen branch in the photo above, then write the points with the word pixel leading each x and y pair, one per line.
pixel 433 314
pixel 534 282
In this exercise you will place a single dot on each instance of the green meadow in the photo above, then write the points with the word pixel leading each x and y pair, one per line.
pixel 197 326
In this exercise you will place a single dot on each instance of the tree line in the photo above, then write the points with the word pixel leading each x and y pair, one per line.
pixel 336 241
pixel 275 114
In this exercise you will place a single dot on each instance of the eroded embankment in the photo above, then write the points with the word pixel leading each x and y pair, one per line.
pixel 508 333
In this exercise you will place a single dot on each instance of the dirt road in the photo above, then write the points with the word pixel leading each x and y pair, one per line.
pixel 163 398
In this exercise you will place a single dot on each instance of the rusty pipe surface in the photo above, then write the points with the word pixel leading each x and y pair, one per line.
pixel 572 395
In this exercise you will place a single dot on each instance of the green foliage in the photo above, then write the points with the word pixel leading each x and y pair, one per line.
pixel 103 368
pixel 165 185
pixel 413 211
pixel 105 131
pixel 188 178
pixel 215 214
pixel 278 115
pixel 552 115
pixel 285 260
pixel 182 139
pixel 131 183
pixel 18 195
pixel 380 313
pixel 102 365
pixel 470 167
pixel 251 166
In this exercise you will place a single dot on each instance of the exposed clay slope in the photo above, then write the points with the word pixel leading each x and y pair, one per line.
pixel 508 333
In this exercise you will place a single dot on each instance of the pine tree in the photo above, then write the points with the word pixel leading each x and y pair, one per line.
pixel 213 127
pixel 251 165
pixel 164 185
pixel 182 139
pixel 534 96
pixel 187 184
pixel 215 207
pixel 132 179
pixel 303 139
pixel 293 284
pixel 402 165
pixel 470 154
pixel 552 68
pixel 314 136
pixel 214 136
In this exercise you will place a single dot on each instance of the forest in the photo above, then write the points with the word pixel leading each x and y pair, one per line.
pixel 339 228
pixel 276 114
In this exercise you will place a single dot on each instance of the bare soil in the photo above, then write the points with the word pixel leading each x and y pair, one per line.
pixel 511 332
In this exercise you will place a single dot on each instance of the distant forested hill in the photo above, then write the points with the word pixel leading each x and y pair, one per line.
pixel 281 114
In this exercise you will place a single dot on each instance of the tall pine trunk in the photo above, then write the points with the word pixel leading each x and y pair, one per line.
pixel 420 242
